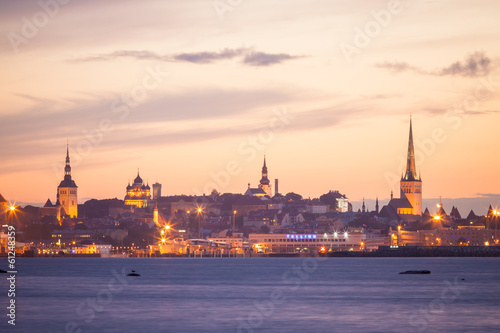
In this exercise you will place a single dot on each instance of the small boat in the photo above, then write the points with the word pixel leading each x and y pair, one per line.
pixel 133 273
pixel 416 272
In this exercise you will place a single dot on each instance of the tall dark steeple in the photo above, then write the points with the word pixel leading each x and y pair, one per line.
pixel 67 168
pixel 67 182
pixel 376 205
pixel 411 170
pixel 411 183
pixel 264 180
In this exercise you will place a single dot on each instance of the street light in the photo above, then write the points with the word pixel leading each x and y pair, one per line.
pixel 200 213
pixel 234 222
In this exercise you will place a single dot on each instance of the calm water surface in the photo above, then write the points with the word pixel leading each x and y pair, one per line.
pixel 255 295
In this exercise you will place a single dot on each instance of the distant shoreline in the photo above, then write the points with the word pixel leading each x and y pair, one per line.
pixel 382 252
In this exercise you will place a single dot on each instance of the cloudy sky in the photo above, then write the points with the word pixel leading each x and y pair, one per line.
pixel 195 93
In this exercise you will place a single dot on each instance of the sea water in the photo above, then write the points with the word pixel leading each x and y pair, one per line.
pixel 254 295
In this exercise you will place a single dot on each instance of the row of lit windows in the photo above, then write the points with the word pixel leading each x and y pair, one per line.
pixel 302 240
pixel 66 192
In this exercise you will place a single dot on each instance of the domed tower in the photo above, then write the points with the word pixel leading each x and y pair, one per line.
pixel 67 195
pixel 265 184
pixel 138 194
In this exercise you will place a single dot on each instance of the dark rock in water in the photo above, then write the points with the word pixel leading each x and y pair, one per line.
pixel 133 274
pixel 416 272
pixel 2 271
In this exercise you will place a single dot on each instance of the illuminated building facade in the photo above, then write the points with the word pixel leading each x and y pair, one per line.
pixel 138 194
pixel 67 191
pixel 306 243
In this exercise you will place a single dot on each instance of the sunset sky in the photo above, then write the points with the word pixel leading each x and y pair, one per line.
pixel 195 93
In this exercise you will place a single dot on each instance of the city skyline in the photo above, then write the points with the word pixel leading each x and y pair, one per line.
pixel 331 111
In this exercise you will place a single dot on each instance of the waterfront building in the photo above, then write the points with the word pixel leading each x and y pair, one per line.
pixel 463 235
pixel 306 243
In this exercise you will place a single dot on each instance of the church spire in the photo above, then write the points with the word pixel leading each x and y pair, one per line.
pixel 411 170
pixel 264 180
pixel 67 168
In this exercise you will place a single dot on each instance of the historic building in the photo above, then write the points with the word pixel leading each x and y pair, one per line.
pixel 3 208
pixel 409 206
pixel 67 196
pixel 138 194
pixel 264 188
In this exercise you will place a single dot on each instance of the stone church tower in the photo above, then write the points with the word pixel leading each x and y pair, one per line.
pixel 411 183
pixel 67 195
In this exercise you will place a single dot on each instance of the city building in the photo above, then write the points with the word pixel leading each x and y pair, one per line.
pixel 50 209
pixel 264 187
pixel 3 208
pixel 409 205
pixel 67 196
pixel 466 235
pixel 138 194
pixel 156 191
pixel 306 243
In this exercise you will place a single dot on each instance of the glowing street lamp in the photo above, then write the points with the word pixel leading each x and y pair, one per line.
pixel 167 227
pixel 234 222
pixel 437 217
pixel 200 213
